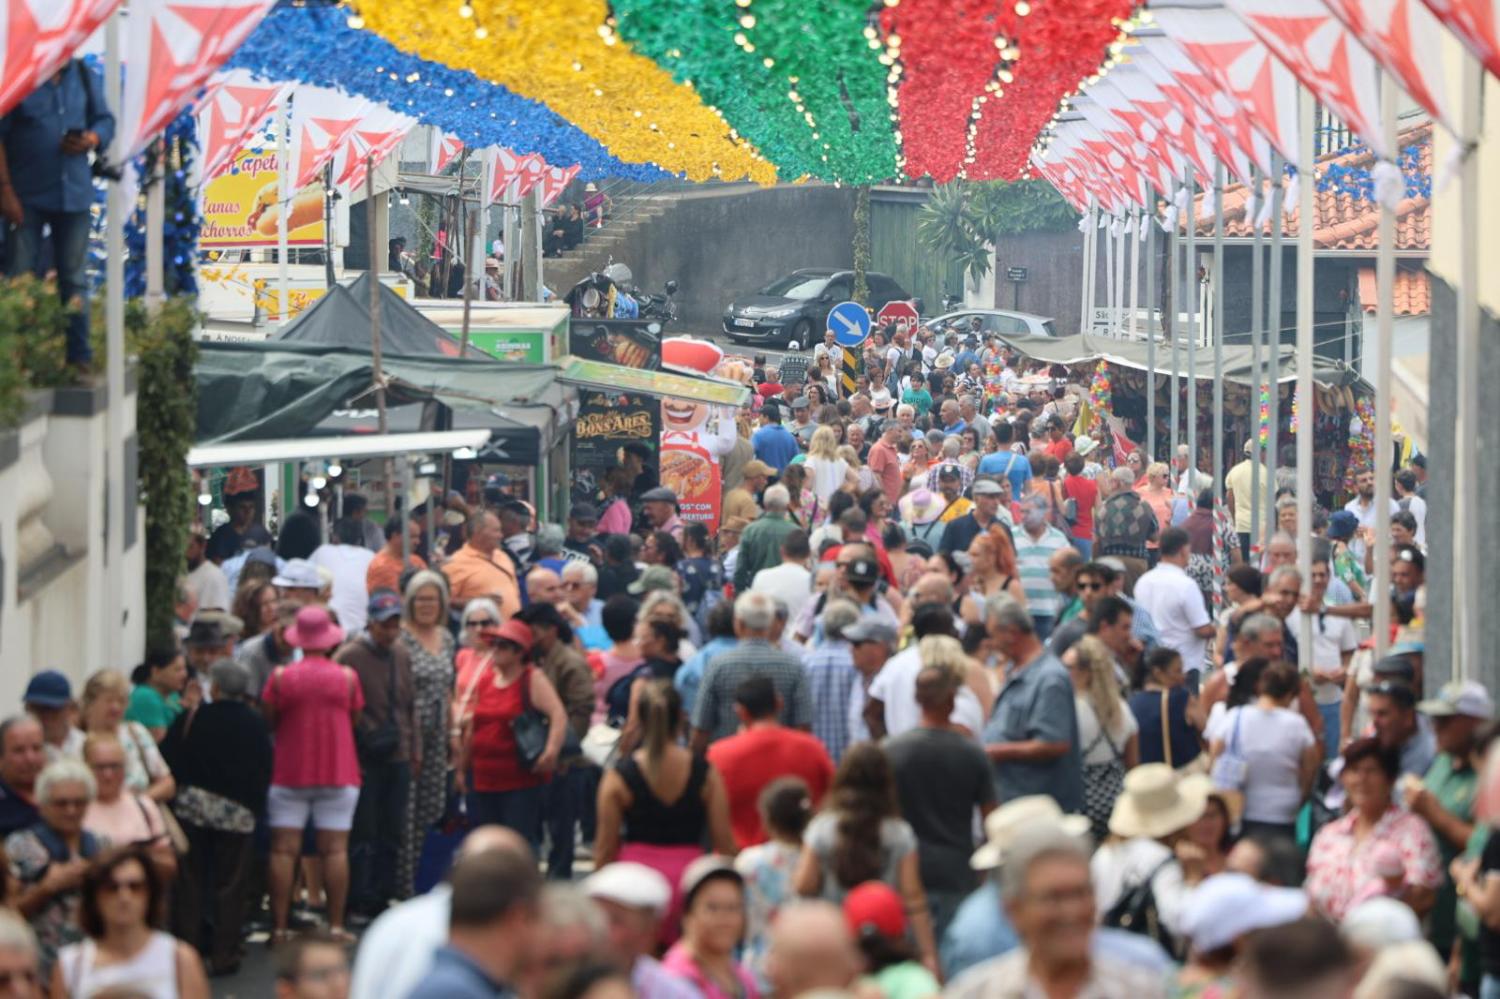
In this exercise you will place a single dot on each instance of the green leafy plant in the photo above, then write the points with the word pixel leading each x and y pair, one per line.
pixel 33 325
pixel 966 220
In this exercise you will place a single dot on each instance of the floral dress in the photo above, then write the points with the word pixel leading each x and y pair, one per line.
pixel 432 689
pixel 767 869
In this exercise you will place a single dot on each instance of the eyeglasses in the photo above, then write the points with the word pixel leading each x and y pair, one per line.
pixel 480 622
pixel 135 886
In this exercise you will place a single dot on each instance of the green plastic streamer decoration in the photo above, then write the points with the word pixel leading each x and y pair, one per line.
pixel 804 83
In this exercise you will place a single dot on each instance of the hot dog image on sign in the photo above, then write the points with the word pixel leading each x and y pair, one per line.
pixel 696 435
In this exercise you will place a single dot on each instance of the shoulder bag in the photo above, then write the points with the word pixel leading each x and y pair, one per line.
pixel 530 727
pixel 174 828
pixel 1135 911
pixel 1231 768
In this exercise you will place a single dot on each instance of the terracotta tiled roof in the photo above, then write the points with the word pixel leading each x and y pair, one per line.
pixel 1413 295
pixel 1344 222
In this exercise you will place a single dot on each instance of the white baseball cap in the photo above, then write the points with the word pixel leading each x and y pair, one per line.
pixel 1227 906
pixel 1460 697
pixel 630 884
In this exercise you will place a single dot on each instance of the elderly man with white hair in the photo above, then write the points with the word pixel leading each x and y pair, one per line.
pixel 760 545
pixel 18 958
pixel 714 716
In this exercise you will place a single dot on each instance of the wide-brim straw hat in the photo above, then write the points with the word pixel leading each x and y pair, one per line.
pixel 1156 802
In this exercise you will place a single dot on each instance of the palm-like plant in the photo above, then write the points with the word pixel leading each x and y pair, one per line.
pixel 965 220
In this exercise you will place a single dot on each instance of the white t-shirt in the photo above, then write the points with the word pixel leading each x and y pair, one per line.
pixel 209 586
pixel 827 477
pixel 1118 866
pixel 1332 637
pixel 350 601
pixel 1271 741
pixel 1366 515
pixel 1088 731
pixel 1176 605
pixel 896 687
pixel 789 583
pixel 1417 507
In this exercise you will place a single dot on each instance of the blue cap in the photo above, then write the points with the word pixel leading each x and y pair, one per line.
pixel 48 689
pixel 1342 525
pixel 384 605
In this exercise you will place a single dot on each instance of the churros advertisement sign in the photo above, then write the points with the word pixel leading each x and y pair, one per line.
pixel 239 207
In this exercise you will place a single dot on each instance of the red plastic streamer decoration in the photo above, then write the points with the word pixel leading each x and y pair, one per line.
pixel 948 54
pixel 1060 43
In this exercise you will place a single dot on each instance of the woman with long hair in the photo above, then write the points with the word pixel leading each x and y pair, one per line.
pixel 826 377
pixel 255 605
pixel 713 926
pixel 992 570
pixel 661 548
pixel 816 389
pixel 614 518
pixel 123 951
pixel 1170 716
pixel 804 508
pixel 659 803
pixel 829 471
pixel 918 461
pixel 506 790
pixel 860 836
pixel 430 647
pixel 102 710
pixel 1106 728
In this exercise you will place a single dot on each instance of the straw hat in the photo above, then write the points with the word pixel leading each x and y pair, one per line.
pixel 1016 816
pixel 1156 802
pixel 922 506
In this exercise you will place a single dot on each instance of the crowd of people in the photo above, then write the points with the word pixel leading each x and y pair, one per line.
pixel 951 701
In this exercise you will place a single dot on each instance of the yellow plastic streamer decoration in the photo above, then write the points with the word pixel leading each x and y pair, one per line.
pixel 565 54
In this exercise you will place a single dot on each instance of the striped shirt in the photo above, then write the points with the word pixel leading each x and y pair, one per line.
pixel 714 710
pixel 831 678
pixel 1032 555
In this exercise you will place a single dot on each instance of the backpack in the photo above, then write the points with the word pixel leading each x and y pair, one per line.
pixel 1135 911
pixel 617 698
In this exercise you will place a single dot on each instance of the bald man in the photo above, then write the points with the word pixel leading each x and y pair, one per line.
pixel 397 949
pixel 811 950
pixel 543 586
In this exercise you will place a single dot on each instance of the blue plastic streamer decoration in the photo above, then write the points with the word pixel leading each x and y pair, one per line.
pixel 1357 182
pixel 316 45
pixel 180 222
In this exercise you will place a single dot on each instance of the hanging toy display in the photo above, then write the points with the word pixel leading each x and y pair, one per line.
pixel 1263 435
pixel 1361 441
pixel 1099 391
pixel 1296 405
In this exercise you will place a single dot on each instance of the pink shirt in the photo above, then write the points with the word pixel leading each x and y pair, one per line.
pixel 679 962
pixel 130 818
pixel 1338 867
pixel 885 463
pixel 615 667
pixel 314 700
pixel 615 519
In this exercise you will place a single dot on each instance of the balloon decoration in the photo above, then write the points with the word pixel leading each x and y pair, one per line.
pixel 566 54
pixel 810 92
pixel 316 45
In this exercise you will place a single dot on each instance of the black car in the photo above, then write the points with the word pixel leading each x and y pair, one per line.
pixel 796 307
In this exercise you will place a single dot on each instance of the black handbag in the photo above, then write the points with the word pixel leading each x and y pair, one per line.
pixel 1135 911
pixel 530 727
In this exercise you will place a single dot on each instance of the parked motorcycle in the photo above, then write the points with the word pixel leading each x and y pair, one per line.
pixel 613 294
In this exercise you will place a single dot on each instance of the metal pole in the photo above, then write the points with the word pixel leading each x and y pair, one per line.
pixel 1151 313
pixel 1257 335
pixel 405 463
pixel 1086 305
pixel 1174 243
pixel 1133 320
pixel 1218 290
pixel 1306 400
pixel 476 257
pixel 1120 238
pixel 1470 428
pixel 283 203
pixel 376 374
pixel 1273 323
pixel 114 364
pixel 1190 299
pixel 1112 303
pixel 156 215
pixel 531 249
pixel 1385 298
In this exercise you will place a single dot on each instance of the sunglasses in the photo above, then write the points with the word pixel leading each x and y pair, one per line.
pixel 135 886
pixel 480 622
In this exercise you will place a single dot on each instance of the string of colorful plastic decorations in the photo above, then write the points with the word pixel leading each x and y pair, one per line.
pixel 1100 394
pixel 780 77
pixel 1361 441
pixel 1263 434
pixel 566 54
pixel 317 45
pixel 1357 181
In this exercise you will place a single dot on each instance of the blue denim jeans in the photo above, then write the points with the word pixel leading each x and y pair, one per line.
pixel 1084 547
pixel 1489 987
pixel 521 810
pixel 1330 713
pixel 70 243
pixel 562 800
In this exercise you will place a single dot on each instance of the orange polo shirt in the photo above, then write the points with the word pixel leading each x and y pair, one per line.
pixel 472 574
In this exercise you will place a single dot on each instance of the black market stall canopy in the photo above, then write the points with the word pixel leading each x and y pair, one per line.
pixel 341 318
pixel 274 389
pixel 1085 348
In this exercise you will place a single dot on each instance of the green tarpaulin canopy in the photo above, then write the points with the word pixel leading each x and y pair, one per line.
pixel 1084 348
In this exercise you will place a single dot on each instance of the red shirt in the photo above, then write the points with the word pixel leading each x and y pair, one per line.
pixel 493 755
pixel 885 464
pixel 1060 449
pixel 754 758
pixel 314 700
pixel 1084 492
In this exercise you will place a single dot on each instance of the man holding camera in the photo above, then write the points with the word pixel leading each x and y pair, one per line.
pixel 46 180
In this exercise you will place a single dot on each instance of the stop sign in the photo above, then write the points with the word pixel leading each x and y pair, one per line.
pixel 900 313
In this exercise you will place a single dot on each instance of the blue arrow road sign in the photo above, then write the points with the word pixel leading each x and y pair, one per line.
pixel 850 323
